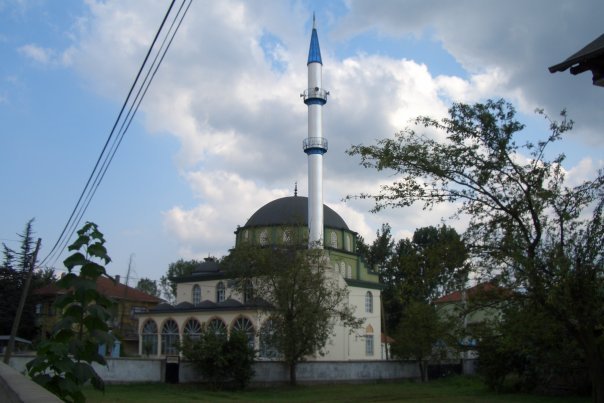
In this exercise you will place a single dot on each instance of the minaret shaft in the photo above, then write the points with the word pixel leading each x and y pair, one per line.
pixel 315 145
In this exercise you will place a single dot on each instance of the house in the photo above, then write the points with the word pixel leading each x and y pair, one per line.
pixel 129 302
pixel 474 306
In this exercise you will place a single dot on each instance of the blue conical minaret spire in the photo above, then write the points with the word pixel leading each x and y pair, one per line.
pixel 315 145
pixel 314 53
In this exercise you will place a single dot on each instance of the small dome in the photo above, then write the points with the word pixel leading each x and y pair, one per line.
pixel 292 210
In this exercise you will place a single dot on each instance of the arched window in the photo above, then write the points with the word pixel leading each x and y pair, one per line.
pixel 287 237
pixel 248 292
pixel 267 342
pixel 244 325
pixel 192 329
pixel 220 291
pixel 347 241
pixel 196 294
pixel 369 302
pixel 348 271
pixel 369 340
pixel 333 239
pixel 264 237
pixel 150 337
pixel 368 344
pixel 343 269
pixel 169 337
pixel 217 327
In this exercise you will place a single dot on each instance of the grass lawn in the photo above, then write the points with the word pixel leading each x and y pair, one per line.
pixel 452 390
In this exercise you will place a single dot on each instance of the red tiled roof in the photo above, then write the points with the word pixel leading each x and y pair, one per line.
pixel 107 287
pixel 470 292
pixel 387 339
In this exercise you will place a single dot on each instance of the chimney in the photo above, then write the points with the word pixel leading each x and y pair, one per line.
pixel 117 278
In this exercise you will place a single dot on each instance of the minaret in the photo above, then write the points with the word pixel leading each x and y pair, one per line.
pixel 315 145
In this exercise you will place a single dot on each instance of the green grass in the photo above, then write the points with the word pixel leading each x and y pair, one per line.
pixel 452 390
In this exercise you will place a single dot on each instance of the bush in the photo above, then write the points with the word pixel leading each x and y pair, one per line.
pixel 222 361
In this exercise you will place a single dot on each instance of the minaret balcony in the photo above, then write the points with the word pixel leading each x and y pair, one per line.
pixel 315 96
pixel 315 143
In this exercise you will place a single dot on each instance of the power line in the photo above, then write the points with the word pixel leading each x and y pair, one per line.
pixel 104 160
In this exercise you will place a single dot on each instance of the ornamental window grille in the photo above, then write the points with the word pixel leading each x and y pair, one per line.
pixel 169 337
pixel 150 337
pixel 244 325
pixel 192 329
pixel 217 327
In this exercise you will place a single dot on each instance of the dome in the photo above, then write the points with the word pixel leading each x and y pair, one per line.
pixel 292 210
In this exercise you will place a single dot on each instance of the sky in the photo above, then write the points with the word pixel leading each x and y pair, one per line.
pixel 220 131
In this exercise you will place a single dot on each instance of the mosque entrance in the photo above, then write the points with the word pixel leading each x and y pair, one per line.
pixel 172 368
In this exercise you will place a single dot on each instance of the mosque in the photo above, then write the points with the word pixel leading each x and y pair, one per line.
pixel 206 297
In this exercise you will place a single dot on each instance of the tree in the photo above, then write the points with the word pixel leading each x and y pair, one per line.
pixel 149 286
pixel 63 363
pixel 378 254
pixel 221 359
pixel 421 269
pixel 530 349
pixel 527 226
pixel 295 287
pixel 431 264
pixel 423 335
pixel 176 269
pixel 13 275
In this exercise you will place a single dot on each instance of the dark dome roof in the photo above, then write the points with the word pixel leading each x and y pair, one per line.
pixel 292 210
pixel 209 266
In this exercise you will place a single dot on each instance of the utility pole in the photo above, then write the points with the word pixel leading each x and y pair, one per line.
pixel 13 333
pixel 125 293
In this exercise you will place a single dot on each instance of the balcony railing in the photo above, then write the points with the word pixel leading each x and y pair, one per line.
pixel 315 93
pixel 315 142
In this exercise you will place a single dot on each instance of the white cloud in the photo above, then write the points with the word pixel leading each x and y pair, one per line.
pixel 37 53
pixel 240 122
pixel 520 39
pixel 586 169
pixel 226 200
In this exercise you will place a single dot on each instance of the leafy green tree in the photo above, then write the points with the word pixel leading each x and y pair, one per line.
pixel 378 254
pixel 176 269
pixel 149 286
pixel 421 269
pixel 424 335
pixel 293 285
pixel 221 360
pixel 63 363
pixel 527 225
pixel 529 349
pixel 432 264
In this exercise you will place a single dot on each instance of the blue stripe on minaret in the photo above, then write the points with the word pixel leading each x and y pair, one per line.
pixel 315 101
pixel 315 151
pixel 314 53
